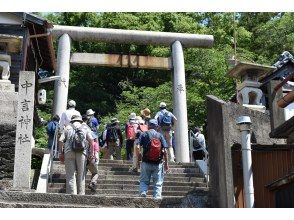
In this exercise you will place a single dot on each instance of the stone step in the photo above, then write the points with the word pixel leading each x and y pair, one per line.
pixel 41 205
pixel 135 183
pixel 130 162
pixel 124 192
pixel 117 163
pixel 61 178
pixel 128 187
pixel 131 173
pixel 199 199
pixel 60 168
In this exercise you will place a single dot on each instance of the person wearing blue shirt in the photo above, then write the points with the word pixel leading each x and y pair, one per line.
pixel 51 128
pixel 152 168
pixel 92 122
pixel 166 129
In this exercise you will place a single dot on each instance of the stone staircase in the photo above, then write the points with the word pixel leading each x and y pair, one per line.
pixel 184 185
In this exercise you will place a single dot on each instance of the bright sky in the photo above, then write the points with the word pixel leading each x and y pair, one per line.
pixel 147 6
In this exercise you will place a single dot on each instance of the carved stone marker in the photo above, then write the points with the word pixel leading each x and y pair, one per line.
pixel 24 130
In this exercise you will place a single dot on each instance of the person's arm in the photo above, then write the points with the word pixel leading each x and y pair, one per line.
pixel 164 149
pixel 174 121
pixel 166 167
pixel 61 147
pixel 120 137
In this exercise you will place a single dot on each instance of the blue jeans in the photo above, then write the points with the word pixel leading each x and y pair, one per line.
pixel 156 171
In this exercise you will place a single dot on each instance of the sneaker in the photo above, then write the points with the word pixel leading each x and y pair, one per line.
pixel 92 187
pixel 143 194
pixel 157 198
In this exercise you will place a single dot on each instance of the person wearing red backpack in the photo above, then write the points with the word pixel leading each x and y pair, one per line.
pixel 154 160
pixel 131 130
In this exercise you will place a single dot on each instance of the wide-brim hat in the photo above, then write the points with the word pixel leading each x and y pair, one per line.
pixel 114 120
pixel 146 112
pixel 75 118
pixel 90 112
pixel 132 116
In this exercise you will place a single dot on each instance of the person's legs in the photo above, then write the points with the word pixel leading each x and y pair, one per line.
pixel 158 176
pixel 70 168
pixel 129 148
pixel 81 173
pixel 111 149
pixel 145 176
pixel 135 159
pixel 117 151
pixel 168 138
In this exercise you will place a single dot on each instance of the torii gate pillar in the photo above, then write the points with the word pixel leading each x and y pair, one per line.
pixel 180 103
pixel 63 67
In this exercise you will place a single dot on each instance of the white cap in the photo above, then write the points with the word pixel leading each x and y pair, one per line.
pixel 90 112
pixel 132 116
pixel 162 105
pixel 71 103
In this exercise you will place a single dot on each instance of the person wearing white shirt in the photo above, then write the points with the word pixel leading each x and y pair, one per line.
pixel 67 114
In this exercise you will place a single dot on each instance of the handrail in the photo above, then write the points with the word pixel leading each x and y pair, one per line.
pixel 47 165
pixel 53 152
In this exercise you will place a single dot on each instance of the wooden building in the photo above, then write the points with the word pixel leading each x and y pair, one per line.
pixel 272 165
pixel 27 39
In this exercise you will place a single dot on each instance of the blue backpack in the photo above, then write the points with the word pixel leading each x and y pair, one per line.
pixel 166 120
pixel 51 127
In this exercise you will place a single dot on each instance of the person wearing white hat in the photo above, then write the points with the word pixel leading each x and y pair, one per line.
pixel 166 121
pixel 131 129
pixel 92 122
pixel 67 114
pixel 75 134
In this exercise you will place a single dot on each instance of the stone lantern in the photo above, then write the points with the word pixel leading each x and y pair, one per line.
pixel 248 92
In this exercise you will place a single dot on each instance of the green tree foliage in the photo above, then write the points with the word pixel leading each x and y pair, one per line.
pixel 116 92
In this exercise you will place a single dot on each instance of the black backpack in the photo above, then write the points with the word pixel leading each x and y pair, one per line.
pixel 79 139
pixel 112 135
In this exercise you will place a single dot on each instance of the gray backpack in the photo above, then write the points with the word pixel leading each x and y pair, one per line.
pixel 79 139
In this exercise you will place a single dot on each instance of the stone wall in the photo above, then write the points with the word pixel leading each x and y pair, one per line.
pixel 222 133
pixel 8 113
pixel 7 143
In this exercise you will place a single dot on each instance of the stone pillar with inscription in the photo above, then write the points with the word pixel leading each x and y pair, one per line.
pixel 24 131
pixel 180 104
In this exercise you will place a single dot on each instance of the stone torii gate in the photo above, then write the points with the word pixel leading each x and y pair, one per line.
pixel 176 40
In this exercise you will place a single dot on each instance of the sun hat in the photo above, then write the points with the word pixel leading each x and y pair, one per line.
pixel 90 112
pixel 71 103
pixel 162 105
pixel 114 120
pixel 146 112
pixel 132 116
pixel 76 118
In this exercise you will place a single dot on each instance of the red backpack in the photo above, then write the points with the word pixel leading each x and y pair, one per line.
pixel 143 127
pixel 131 131
pixel 153 153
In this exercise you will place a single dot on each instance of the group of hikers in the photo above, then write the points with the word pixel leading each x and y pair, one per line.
pixel 148 140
